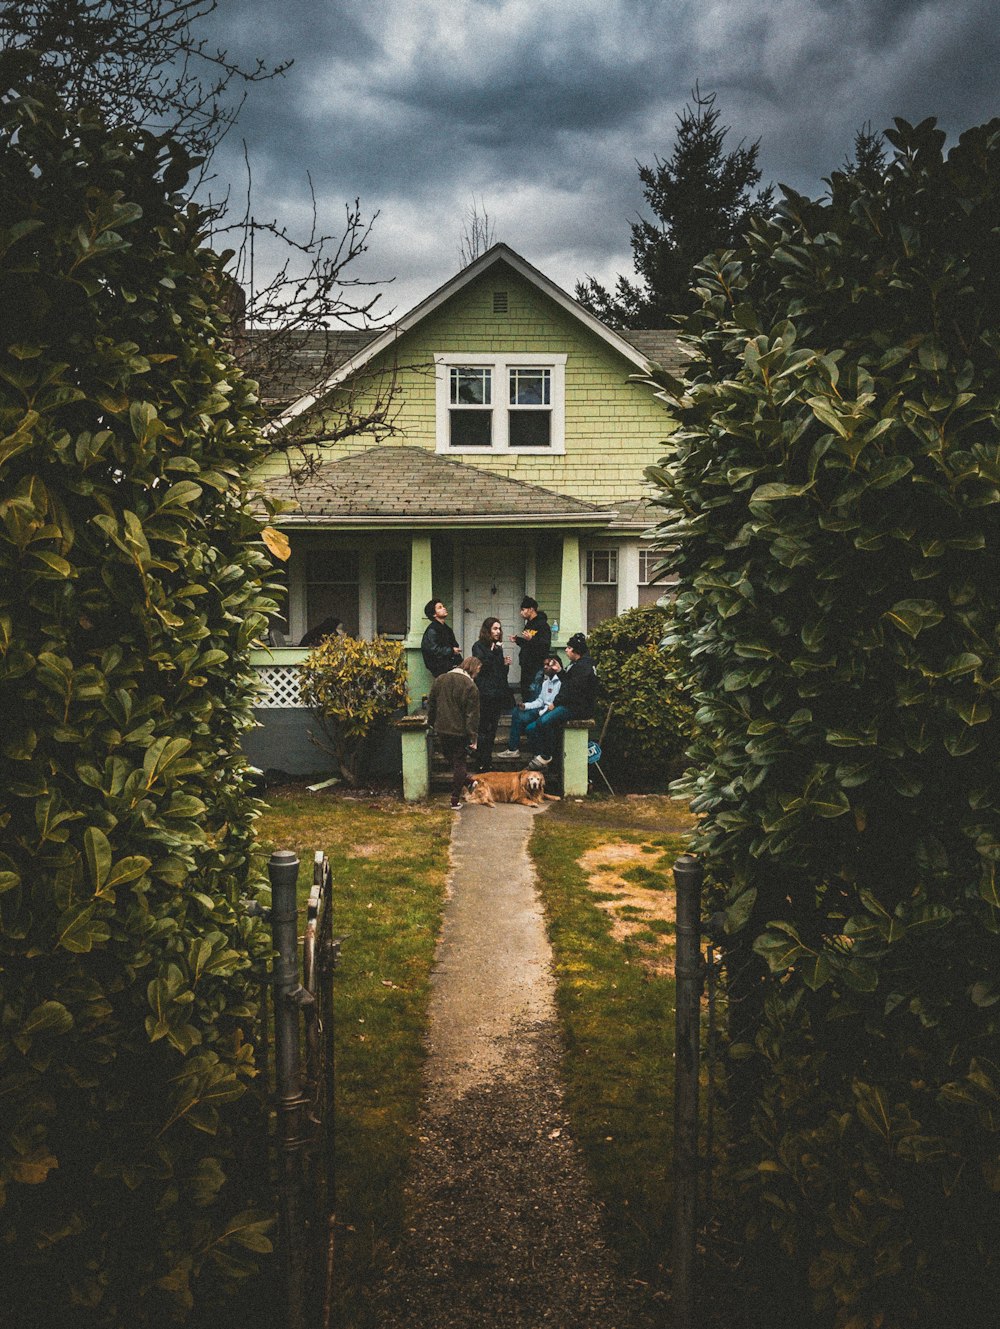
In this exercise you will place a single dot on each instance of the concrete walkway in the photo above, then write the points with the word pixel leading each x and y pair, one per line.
pixel 505 1232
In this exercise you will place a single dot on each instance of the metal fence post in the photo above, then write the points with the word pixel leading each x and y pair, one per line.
pixel 687 879
pixel 291 1103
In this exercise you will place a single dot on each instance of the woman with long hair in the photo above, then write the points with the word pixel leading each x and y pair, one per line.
pixel 494 690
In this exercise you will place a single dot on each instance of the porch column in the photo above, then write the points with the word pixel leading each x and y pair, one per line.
pixel 570 599
pixel 421 590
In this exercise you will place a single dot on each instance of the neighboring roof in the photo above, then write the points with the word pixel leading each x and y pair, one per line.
pixel 407 486
pixel 638 514
pixel 499 253
pixel 289 363
pixel 659 345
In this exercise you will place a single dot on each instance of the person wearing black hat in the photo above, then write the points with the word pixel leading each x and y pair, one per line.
pixel 439 645
pixel 576 701
pixel 535 641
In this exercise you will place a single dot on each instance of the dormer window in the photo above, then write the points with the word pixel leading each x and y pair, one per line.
pixel 500 403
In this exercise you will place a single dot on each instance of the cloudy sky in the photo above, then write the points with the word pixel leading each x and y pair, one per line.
pixel 539 111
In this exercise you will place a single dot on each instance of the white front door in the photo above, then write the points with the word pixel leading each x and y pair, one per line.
pixel 493 586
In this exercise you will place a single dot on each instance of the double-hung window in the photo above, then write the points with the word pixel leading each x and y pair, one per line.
pixel 652 588
pixel 332 584
pixel 602 585
pixel 501 403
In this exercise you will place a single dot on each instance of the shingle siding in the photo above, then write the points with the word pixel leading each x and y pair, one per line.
pixel 613 428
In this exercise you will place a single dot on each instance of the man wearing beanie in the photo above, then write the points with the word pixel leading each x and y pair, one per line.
pixel 535 641
pixel 576 701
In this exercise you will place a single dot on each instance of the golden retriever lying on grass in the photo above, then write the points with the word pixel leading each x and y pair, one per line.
pixel 493 787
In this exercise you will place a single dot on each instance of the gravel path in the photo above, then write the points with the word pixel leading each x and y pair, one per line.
pixel 505 1232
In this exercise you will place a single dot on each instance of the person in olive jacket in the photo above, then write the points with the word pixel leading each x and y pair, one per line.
pixel 439 645
pixel 453 713
pixel 535 641
pixel 494 690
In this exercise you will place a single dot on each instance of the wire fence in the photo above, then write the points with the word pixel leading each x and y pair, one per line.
pixel 294 1051
pixel 720 992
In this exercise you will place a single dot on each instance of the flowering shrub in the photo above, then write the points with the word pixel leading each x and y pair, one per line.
pixel 351 685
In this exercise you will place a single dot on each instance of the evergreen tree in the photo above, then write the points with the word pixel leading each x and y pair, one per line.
pixel 703 199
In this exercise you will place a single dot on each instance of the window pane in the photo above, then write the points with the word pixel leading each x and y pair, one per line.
pixel 471 386
pixel 336 565
pixel 471 429
pixel 651 595
pixel 332 588
pixel 602 603
pixel 392 565
pixel 602 566
pixel 392 591
pixel 329 601
pixel 649 562
pixel 529 429
pixel 390 608
pixel 530 387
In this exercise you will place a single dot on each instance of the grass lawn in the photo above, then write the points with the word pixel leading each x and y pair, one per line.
pixel 389 862
pixel 604 874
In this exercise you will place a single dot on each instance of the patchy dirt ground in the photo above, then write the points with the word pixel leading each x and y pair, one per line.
pixel 635 889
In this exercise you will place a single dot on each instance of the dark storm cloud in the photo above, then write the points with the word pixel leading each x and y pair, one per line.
pixel 541 110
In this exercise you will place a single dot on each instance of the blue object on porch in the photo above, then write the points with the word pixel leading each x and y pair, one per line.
pixel 594 759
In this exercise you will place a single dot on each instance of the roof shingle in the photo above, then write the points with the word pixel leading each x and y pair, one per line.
pixel 414 484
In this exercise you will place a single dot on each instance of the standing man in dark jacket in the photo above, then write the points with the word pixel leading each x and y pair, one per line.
pixel 453 712
pixel 439 645
pixel 535 641
pixel 576 701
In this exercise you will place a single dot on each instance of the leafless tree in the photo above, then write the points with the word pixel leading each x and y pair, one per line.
pixel 143 63
pixel 478 232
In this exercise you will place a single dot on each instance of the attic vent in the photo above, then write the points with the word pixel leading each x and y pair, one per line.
pixel 499 302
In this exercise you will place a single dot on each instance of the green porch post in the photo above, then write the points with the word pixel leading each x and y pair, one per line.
pixel 576 738
pixel 421 590
pixel 570 599
pixel 415 737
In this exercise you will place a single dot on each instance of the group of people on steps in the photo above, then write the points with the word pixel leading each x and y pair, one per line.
pixel 470 694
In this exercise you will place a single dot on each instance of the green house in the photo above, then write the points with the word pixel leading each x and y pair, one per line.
pixel 501 453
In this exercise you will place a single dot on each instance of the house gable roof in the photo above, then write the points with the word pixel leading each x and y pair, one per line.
pixel 499 253
pixel 408 486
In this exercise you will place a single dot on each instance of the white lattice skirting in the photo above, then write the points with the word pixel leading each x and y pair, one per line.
pixel 281 686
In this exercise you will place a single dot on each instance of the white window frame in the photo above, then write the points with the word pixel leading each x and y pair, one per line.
pixel 648 558
pixel 500 364
pixel 610 552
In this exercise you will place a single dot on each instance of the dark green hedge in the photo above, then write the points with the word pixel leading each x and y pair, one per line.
pixel 130 592
pixel 835 490
pixel 652 720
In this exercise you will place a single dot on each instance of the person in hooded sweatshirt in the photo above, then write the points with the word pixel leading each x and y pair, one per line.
pixel 535 641
pixel 526 711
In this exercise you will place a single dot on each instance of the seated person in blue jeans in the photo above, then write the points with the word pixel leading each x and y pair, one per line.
pixel 526 711
pixel 577 696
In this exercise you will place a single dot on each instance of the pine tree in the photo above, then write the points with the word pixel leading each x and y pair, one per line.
pixel 703 199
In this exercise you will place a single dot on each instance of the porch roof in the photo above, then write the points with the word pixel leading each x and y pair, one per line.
pixel 411 486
